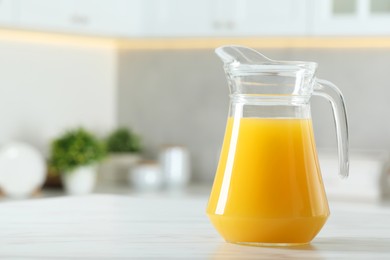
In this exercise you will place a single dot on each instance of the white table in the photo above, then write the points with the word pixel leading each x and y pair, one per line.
pixel 125 227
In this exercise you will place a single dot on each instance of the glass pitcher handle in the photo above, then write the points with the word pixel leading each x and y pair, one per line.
pixel 329 91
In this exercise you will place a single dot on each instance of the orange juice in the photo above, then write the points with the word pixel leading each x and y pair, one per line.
pixel 268 187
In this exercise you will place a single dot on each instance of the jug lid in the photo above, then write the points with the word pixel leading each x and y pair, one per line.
pixel 240 60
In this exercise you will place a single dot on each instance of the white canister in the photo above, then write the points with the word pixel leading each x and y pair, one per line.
pixel 146 176
pixel 175 166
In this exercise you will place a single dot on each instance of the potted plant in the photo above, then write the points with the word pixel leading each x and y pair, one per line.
pixel 75 156
pixel 124 147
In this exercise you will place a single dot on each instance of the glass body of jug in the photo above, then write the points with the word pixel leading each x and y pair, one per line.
pixel 268 188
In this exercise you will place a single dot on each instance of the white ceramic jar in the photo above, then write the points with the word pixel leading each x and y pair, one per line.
pixel 146 176
pixel 175 166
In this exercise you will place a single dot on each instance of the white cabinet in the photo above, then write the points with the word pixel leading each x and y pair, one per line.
pixel 8 12
pixel 178 18
pixel 264 17
pixel 226 17
pixel 45 14
pixel 199 18
pixel 350 17
pixel 108 17
pixel 100 17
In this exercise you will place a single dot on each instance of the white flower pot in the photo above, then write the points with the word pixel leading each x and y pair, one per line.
pixel 80 181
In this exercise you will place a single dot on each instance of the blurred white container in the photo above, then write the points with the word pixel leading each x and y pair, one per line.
pixel 367 175
pixel 22 170
pixel 175 166
pixel 115 169
pixel 146 176
pixel 81 180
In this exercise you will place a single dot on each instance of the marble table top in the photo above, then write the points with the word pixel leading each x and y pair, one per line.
pixel 129 227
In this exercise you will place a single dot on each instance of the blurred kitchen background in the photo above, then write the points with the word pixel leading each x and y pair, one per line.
pixel 149 65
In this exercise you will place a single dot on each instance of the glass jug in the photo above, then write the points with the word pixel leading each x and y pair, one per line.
pixel 268 188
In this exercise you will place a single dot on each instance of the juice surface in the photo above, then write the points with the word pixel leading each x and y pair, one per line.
pixel 268 186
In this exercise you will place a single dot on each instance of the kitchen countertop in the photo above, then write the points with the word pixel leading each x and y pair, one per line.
pixel 133 227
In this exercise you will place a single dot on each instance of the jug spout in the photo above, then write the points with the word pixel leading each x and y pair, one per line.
pixel 234 54
pixel 250 73
pixel 240 57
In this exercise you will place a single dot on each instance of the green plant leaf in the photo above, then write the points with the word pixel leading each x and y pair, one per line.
pixel 123 140
pixel 75 148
